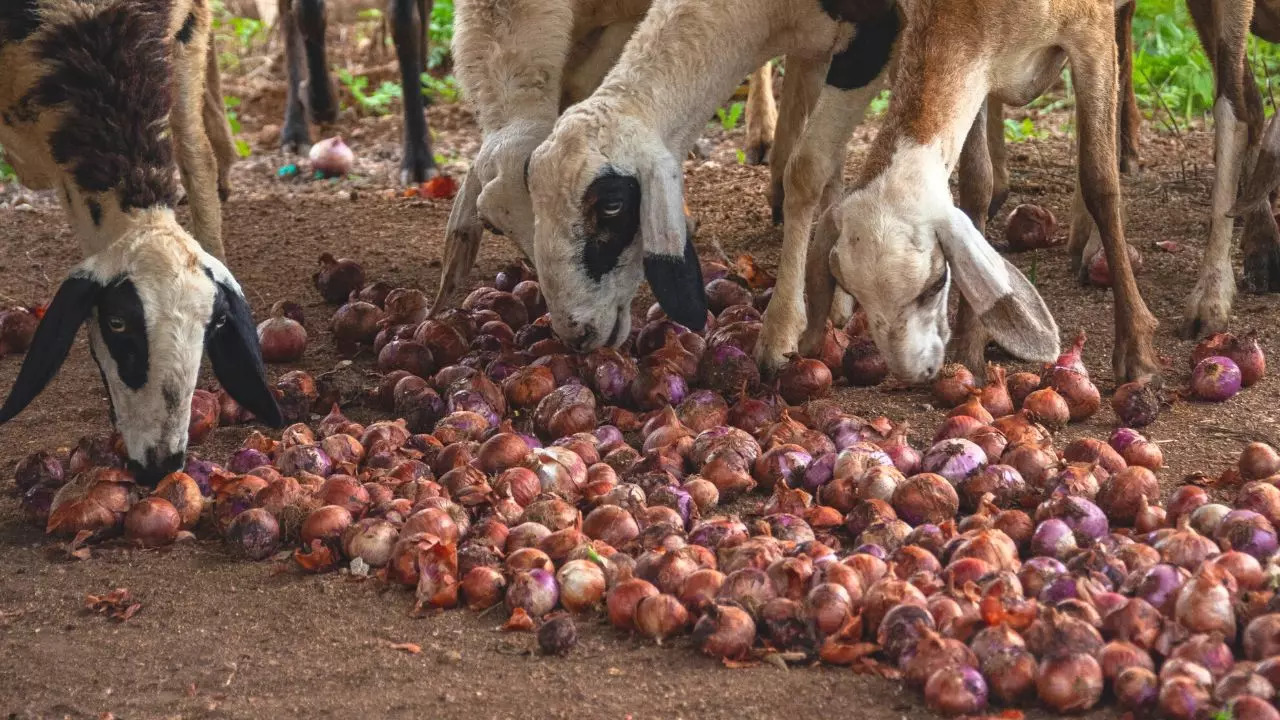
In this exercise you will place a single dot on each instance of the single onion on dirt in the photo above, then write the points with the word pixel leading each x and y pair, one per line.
pixel 1030 227
pixel 1244 351
pixel 1136 404
pixel 863 364
pixel 331 157
pixel 337 279
pixel 1215 379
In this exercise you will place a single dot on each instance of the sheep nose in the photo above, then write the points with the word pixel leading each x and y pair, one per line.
pixel 150 474
pixel 584 336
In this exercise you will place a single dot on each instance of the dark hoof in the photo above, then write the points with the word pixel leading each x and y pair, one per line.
pixel 777 214
pixel 1261 271
pixel 224 192
pixel 295 138
pixel 997 201
pixel 321 105
pixel 758 154
pixel 417 166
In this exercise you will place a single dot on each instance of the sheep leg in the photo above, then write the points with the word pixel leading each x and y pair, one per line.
pixel 1209 305
pixel 1261 239
pixel 409 20
pixel 762 114
pixel 1130 120
pixel 320 95
pixel 1093 67
pixel 216 125
pixel 295 133
pixel 592 59
pixel 999 156
pixel 813 181
pixel 194 152
pixel 800 90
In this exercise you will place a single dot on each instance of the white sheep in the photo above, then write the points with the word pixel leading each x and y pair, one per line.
pixel 97 98
pixel 607 185
pixel 520 63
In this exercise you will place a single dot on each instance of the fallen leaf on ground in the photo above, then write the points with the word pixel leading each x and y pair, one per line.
pixel 440 187
pixel 318 558
pixel 757 278
pixel 117 604
pixel 739 664
pixel 1169 246
pixel 411 648
pixel 76 549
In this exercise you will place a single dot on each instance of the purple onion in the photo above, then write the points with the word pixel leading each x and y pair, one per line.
pixel 953 459
pixel 789 528
pixel 1085 519
pixel 611 378
pixel 1158 585
pixel 532 441
pixel 1123 438
pixel 1248 532
pixel 785 464
pixel 956 690
pixel 37 501
pixel 871 549
pixel 657 386
pixel 654 335
pixel 246 459
pixel 901 629
pixel 200 470
pixel 818 473
pixel 304 458
pixel 724 368
pixel 846 431
pixel 535 591
pixel 1053 538
pixel 1215 379
pixel 1062 587
pixel 501 368
pixel 1039 571
pixel 473 401
pixel 929 537
pixel 677 499
pixel 712 532
pixel 608 438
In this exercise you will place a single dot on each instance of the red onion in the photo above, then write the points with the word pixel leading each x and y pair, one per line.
pixel 954 459
pixel 1245 352
pixel 1012 675
pixel 1030 227
pixel 784 465
pixel 1136 688
pixel 1069 682
pixel 904 457
pixel 253 534
pixel 724 293
pixel 184 494
pixel 582 584
pixel 1243 682
pixel 1136 404
pixel 337 279
pixel 1215 379
pixel 1035 464
pixel 1092 450
pixel 926 498
pixel 1053 538
pixel 331 158
pixel 660 616
pixel 725 631
pixel 1248 532
pixel 17 329
pixel 1258 461
pixel 1248 707
pixel 957 690
pixel 933 653
pixel 535 592
pixel 1126 492
pixel 1048 408
pixel 863 364
pixel 1261 637
pixel 726 369
pixel 1182 698
pixel 954 385
pixel 1136 622
pixel 152 522
pixel 1204 603
pixel 973 408
pixel 803 379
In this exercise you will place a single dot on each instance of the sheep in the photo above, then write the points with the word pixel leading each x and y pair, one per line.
pixel 1241 150
pixel 92 94
pixel 519 88
pixel 610 171
pixel 303 26
pixel 896 241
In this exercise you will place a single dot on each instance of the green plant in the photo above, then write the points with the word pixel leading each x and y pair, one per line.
pixel 440 33
pixel 445 89
pixel 378 102
pixel 231 102
pixel 742 157
pixel 730 116
pixel 1016 131
pixel 6 170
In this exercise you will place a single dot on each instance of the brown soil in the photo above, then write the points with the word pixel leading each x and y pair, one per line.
pixel 217 638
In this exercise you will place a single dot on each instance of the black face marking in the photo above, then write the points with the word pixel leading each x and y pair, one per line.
pixel 95 211
pixel 868 53
pixel 172 401
pixel 677 283
pixel 526 171
pixel 188 29
pixel 855 11
pixel 111 403
pixel 123 324
pixel 110 73
pixel 611 215
pixel 231 341
pixel 18 19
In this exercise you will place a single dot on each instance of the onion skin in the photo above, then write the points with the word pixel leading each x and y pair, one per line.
pixel 1215 379
pixel 660 616
pixel 1136 688
pixel 954 385
pixel 623 599
pixel 152 522
pixel 725 631
pixel 956 690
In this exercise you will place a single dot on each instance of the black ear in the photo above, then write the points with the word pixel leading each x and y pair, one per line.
pixel 232 344
pixel 677 283
pixel 55 333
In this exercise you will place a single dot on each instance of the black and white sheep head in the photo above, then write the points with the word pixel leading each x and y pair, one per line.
pixel 606 213
pixel 901 246
pixel 152 305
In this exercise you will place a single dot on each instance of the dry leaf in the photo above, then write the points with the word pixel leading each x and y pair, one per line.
pixel 318 558
pixel 440 187
pixel 117 604
pixel 757 278
pixel 739 664
pixel 1169 246
pixel 77 549
pixel 411 648
pixel 518 622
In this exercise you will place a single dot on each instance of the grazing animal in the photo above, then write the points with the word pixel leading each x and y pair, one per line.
pixel 897 242
pixel 96 98
pixel 519 86
pixel 1241 150
pixel 303 24
pixel 607 185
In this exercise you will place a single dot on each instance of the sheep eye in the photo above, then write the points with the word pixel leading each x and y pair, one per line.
pixel 116 324
pixel 611 208
pixel 219 321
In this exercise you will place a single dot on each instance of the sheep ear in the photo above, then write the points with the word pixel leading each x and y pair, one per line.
pixel 1008 306
pixel 1266 172
pixel 232 344
pixel 670 263
pixel 54 335
pixel 461 241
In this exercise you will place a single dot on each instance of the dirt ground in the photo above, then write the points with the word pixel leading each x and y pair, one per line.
pixel 217 638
